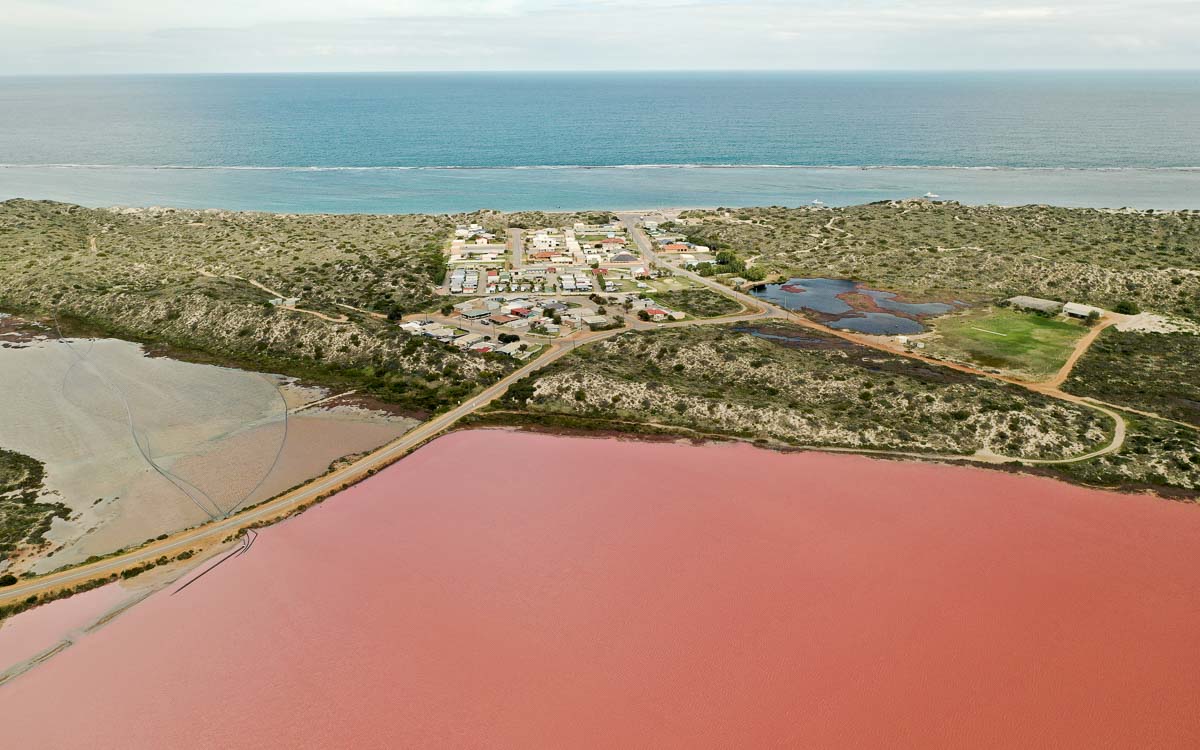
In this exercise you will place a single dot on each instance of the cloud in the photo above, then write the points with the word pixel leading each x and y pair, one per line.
pixel 66 36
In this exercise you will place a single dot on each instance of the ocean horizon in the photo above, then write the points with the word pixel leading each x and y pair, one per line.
pixel 421 142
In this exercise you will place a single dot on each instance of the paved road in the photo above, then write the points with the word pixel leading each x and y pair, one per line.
pixel 1050 388
pixel 280 506
pixel 755 310
pixel 285 503
pixel 516 249
pixel 630 222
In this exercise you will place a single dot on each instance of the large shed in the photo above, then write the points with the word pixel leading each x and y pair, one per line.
pixel 1076 310
pixel 1036 304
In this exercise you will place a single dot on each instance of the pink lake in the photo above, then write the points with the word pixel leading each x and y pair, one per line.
pixel 508 590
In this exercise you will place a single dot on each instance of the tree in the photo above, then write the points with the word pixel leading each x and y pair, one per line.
pixel 447 309
pixel 1125 307
pixel 7 579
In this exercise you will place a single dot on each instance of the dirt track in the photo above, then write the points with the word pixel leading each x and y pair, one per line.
pixel 213 534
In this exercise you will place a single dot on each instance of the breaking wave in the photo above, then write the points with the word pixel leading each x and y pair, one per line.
pixel 560 167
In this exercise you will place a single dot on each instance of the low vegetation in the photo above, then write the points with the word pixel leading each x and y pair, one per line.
pixel 183 280
pixel 699 303
pixel 1156 455
pixel 25 515
pixel 1154 372
pixel 793 386
pixel 1132 259
pixel 542 219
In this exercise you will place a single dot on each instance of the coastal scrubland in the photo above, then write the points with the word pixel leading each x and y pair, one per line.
pixel 189 280
pixel 784 386
pixel 944 249
pixel 25 515
pixel 791 386
pixel 699 303
pixel 542 219
pixel 1154 372
pixel 1157 455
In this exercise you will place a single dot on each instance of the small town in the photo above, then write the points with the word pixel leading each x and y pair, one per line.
pixel 518 294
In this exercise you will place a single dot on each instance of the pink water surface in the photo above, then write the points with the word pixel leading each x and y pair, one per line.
pixel 505 590
pixel 30 633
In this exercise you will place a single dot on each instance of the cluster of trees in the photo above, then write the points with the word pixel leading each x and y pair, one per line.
pixel 728 262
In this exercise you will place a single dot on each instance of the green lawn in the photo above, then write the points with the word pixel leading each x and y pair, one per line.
pixel 1006 339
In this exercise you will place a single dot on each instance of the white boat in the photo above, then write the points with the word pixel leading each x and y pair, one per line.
pixel 932 195
pixel 818 202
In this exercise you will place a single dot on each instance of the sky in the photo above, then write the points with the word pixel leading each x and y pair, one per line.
pixel 176 36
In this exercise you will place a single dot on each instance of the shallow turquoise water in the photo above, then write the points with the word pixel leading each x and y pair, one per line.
pixel 448 142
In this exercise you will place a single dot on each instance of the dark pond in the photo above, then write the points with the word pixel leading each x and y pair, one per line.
pixel 825 296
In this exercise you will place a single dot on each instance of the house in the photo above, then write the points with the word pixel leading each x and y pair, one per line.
pixel 499 319
pixel 1036 304
pixel 542 241
pixel 1076 310
pixel 676 247
pixel 595 320
pixel 656 314
pixel 624 257
pixel 466 342
pixel 476 314
pixel 511 349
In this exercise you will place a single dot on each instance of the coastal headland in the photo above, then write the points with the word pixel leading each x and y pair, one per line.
pixel 641 324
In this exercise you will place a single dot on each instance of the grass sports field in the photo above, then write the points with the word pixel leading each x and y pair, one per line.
pixel 1007 340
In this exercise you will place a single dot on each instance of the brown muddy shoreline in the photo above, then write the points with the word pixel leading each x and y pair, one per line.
pixel 656 434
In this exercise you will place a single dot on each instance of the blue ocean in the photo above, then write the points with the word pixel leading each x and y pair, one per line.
pixel 462 141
